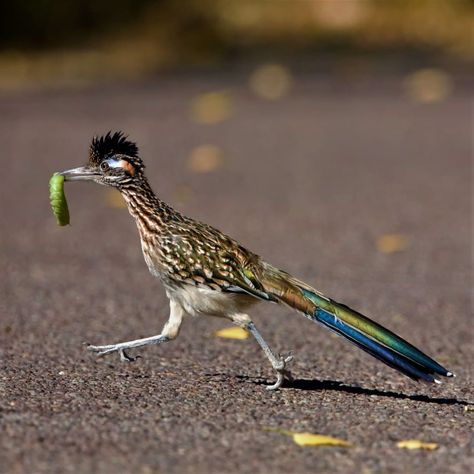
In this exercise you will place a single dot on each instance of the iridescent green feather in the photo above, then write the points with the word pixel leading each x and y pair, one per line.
pixel 375 331
pixel 359 329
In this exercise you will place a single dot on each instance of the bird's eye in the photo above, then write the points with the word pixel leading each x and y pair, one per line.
pixel 104 166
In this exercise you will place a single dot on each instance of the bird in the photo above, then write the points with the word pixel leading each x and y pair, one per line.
pixel 206 272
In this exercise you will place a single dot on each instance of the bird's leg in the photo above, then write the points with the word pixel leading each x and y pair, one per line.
pixel 170 331
pixel 278 363
pixel 122 346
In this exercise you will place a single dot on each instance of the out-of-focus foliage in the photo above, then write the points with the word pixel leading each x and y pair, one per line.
pixel 81 41
pixel 232 25
pixel 56 23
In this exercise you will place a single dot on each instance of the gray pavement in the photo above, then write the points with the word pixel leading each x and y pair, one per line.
pixel 309 182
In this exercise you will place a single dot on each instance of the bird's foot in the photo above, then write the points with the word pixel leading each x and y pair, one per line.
pixel 282 372
pixel 109 349
pixel 124 357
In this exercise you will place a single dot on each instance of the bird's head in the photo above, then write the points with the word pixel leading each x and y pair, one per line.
pixel 113 161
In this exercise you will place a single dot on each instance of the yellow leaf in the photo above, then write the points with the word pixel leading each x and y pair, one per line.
pixel 468 408
pixel 428 85
pixel 391 243
pixel 271 81
pixel 416 444
pixel 232 333
pixel 213 107
pixel 205 158
pixel 310 439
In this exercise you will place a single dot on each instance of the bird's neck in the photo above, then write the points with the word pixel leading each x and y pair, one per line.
pixel 150 213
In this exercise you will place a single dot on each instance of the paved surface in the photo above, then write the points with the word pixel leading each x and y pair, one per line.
pixel 310 182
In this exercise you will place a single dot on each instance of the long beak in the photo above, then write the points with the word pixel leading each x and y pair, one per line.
pixel 83 173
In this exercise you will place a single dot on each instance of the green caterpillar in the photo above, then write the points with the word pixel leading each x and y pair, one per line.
pixel 57 199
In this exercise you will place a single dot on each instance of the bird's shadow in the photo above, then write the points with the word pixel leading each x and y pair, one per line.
pixel 336 386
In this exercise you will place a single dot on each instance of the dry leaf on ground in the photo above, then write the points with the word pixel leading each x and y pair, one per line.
pixel 416 444
pixel 271 81
pixel 312 439
pixel 429 85
pixel 391 243
pixel 205 159
pixel 232 333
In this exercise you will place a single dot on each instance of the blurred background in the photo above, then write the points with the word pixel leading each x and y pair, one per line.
pixel 54 42
pixel 332 137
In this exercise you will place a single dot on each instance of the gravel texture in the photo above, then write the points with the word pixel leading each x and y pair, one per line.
pixel 310 182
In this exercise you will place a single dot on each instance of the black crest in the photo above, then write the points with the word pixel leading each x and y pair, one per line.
pixel 112 144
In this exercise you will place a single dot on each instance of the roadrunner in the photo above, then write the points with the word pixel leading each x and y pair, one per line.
pixel 205 272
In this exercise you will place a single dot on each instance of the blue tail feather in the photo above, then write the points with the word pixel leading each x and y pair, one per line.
pixel 384 354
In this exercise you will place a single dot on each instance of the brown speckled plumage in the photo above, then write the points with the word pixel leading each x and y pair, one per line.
pixel 205 271
pixel 182 250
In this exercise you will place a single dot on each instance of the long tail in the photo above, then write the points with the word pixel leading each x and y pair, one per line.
pixel 366 334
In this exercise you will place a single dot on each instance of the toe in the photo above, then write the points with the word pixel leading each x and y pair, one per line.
pixel 124 357
pixel 277 384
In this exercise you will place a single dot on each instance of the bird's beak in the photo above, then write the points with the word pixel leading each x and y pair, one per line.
pixel 83 173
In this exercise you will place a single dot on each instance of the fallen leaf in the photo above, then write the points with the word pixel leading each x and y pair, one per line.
pixel 271 81
pixel 312 439
pixel 309 439
pixel 232 333
pixel 114 199
pixel 205 158
pixel 416 444
pixel 468 408
pixel 428 85
pixel 391 243
pixel 213 107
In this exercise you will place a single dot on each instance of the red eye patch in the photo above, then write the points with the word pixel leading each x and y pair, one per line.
pixel 128 167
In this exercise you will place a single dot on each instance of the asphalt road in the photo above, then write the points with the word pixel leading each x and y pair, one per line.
pixel 310 182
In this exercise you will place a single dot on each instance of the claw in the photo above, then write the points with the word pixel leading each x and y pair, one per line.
pixel 101 350
pixel 288 376
pixel 97 349
pixel 124 357
pixel 104 350
pixel 282 373
pixel 278 383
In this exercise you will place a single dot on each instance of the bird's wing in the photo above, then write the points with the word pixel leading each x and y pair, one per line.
pixel 208 258
pixel 245 275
